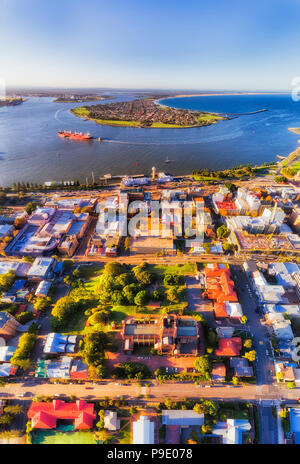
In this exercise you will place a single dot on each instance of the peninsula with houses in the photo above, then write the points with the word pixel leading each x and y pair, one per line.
pixel 145 113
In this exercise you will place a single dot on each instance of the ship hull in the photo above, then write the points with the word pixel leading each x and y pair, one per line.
pixel 74 135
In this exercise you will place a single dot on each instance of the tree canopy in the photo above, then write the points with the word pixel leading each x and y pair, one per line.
pixel 203 365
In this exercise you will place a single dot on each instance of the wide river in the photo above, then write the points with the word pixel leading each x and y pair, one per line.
pixel 30 149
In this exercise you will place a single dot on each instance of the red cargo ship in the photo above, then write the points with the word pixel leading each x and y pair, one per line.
pixel 75 135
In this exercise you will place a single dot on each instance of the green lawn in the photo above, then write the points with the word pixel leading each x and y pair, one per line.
pixel 52 437
pixel 120 312
pixel 208 118
pixel 180 269
pixel 296 166
pixel 81 111
pixel 90 272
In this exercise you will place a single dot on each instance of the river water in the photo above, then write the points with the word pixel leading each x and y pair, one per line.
pixel 30 149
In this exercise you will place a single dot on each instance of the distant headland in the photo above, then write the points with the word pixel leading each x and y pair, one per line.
pixel 11 101
pixel 80 98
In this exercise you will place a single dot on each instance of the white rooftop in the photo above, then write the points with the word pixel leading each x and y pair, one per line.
pixel 143 431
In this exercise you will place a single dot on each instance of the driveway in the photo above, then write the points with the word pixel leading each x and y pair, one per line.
pixel 44 322
pixel 196 302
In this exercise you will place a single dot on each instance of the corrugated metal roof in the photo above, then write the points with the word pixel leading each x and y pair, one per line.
pixel 182 417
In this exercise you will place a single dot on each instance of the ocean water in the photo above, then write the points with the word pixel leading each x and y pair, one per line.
pixel 30 149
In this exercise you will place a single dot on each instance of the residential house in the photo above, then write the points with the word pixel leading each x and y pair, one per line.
pixel 295 425
pixel 176 420
pixel 144 428
pixel 232 431
pixel 218 372
pixel 45 415
pixel 8 325
pixel 229 347
pixel 57 343
pixel 241 367
pixel 111 421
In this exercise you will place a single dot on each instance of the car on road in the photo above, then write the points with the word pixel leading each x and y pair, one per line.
pixel 118 384
pixel 88 388
pixel 207 386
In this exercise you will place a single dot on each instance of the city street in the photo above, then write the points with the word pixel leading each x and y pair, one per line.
pixel 264 364
pixel 156 392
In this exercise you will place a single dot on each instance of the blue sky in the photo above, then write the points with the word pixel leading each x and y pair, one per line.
pixel 164 44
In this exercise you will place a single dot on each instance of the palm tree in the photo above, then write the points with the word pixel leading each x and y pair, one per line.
pixel 14 409
pixel 103 435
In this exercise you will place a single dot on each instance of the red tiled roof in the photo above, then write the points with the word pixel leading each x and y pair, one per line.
pixel 78 374
pixel 227 205
pixel 219 285
pixel 229 346
pixel 43 420
pixel 220 310
pixel 44 415
pixel 84 421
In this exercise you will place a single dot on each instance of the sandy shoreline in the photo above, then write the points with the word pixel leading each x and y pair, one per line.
pixel 221 94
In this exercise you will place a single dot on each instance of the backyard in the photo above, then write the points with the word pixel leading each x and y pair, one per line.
pixel 64 437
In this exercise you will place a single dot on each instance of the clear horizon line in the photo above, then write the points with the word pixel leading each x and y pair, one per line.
pixel 164 89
